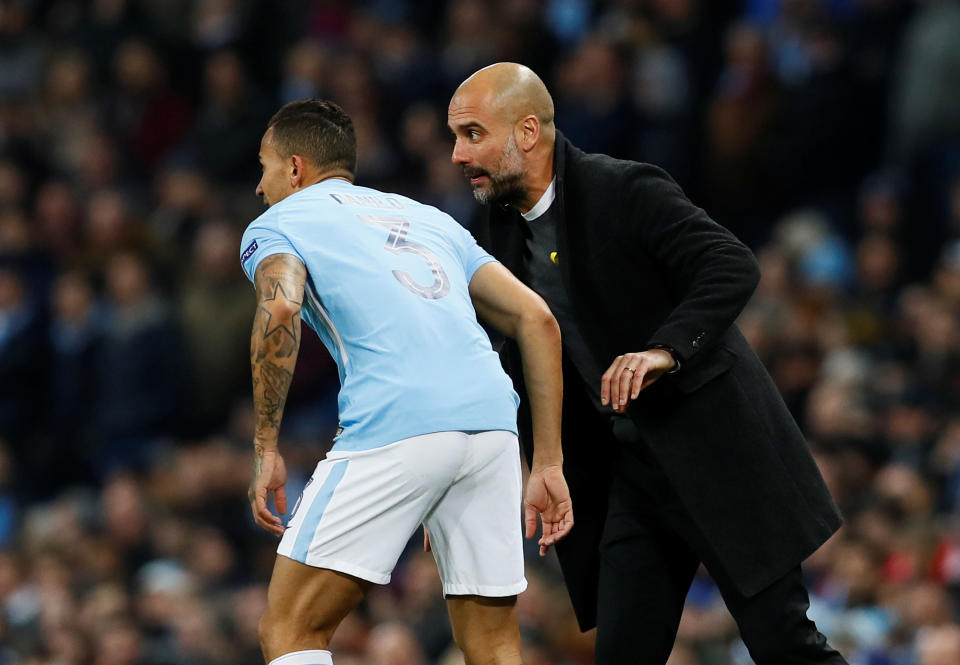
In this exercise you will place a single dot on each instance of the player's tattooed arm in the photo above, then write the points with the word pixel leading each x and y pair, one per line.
pixel 275 341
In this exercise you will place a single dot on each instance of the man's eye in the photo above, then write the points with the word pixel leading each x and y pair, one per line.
pixel 473 134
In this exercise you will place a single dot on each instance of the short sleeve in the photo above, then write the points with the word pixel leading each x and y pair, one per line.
pixel 474 256
pixel 259 241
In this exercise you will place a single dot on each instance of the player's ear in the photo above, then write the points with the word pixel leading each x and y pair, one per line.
pixel 296 170
pixel 528 133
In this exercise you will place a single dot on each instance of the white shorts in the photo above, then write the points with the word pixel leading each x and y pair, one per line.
pixel 360 508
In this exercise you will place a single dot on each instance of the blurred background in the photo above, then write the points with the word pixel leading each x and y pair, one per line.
pixel 825 133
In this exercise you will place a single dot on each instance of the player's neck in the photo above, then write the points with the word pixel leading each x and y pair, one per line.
pixel 327 175
pixel 538 178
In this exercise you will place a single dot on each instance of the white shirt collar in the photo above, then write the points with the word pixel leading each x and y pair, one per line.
pixel 543 204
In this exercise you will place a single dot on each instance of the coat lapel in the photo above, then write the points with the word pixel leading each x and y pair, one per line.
pixel 573 227
pixel 506 239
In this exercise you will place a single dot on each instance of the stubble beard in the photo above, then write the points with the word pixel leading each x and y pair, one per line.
pixel 506 184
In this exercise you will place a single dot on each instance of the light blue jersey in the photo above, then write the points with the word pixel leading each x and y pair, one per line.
pixel 387 281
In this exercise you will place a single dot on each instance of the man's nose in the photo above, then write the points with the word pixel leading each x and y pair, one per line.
pixel 260 188
pixel 459 155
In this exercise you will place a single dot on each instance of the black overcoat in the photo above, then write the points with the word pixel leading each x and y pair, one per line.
pixel 642 266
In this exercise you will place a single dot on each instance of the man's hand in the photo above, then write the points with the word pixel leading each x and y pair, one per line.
pixel 631 373
pixel 269 475
pixel 547 494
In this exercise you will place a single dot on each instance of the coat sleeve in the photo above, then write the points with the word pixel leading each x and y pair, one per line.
pixel 711 273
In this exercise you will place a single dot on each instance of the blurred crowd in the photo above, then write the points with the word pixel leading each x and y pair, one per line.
pixel 825 133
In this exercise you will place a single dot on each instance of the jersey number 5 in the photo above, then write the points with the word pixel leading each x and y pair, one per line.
pixel 397 243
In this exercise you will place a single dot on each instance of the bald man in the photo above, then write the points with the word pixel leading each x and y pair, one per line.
pixel 678 448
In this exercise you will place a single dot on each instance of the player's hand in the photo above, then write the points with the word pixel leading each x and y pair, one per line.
pixel 269 475
pixel 547 494
pixel 631 373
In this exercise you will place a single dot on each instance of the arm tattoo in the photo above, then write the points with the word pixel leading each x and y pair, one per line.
pixel 275 341
pixel 276 382
pixel 286 317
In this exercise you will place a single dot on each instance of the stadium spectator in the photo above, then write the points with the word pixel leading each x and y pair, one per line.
pixel 138 369
pixel 214 310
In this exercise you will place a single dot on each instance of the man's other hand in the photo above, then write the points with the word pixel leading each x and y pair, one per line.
pixel 631 373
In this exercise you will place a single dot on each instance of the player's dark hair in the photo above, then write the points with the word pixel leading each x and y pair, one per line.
pixel 318 130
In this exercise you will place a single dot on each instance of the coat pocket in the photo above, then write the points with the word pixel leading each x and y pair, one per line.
pixel 689 379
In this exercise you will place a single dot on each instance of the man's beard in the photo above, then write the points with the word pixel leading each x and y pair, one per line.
pixel 506 186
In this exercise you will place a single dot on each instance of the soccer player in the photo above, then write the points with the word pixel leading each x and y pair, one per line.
pixel 427 415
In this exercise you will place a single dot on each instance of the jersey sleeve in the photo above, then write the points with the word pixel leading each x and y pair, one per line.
pixel 474 256
pixel 260 240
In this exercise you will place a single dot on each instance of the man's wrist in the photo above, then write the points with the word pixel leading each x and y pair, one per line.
pixel 673 354
pixel 546 462
pixel 261 447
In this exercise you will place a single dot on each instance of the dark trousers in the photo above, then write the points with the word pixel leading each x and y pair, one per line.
pixel 650 552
